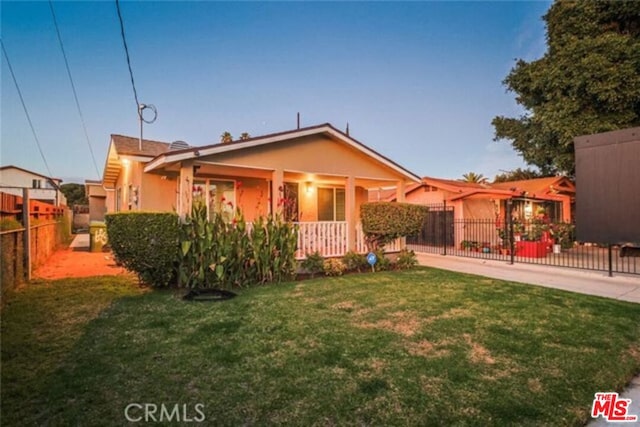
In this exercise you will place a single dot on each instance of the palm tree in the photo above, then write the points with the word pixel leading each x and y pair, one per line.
pixel 477 178
pixel 245 135
pixel 226 137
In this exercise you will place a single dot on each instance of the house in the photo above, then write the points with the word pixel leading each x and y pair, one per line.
pixel 472 210
pixel 13 180
pixel 316 176
pixel 97 198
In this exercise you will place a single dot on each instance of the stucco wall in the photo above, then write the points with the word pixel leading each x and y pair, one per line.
pixel 313 154
pixel 157 194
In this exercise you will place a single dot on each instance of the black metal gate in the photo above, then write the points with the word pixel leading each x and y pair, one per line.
pixel 530 241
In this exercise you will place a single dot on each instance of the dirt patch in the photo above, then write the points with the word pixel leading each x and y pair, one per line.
pixel 68 263
pixel 534 385
pixel 478 353
pixel 401 322
pixel 426 348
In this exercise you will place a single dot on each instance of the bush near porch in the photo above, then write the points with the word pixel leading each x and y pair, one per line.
pixel 202 252
pixel 383 222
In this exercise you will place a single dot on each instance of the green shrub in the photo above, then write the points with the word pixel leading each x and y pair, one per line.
pixel 333 267
pixel 215 253
pixel 354 261
pixel 313 264
pixel 383 263
pixel 406 259
pixel 273 246
pixel 382 222
pixel 145 243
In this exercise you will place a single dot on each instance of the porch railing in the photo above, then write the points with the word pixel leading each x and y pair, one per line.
pixel 330 239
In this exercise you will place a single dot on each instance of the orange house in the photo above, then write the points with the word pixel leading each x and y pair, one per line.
pixel 459 201
pixel 316 176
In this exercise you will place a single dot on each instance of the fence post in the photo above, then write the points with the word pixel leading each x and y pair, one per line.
pixel 444 227
pixel 610 253
pixel 26 223
pixel 512 246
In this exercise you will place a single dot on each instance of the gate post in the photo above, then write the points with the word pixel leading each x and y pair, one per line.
pixel 26 223
pixel 512 246
pixel 444 227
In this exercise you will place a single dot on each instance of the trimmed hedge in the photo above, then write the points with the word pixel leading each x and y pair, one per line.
pixel 382 222
pixel 145 243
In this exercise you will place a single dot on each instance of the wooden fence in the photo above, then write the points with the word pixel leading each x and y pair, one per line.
pixel 25 248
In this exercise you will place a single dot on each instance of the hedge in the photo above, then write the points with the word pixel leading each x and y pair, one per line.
pixel 382 222
pixel 145 243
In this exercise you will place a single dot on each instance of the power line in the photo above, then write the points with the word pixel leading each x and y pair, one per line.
pixel 24 106
pixel 126 50
pixel 73 88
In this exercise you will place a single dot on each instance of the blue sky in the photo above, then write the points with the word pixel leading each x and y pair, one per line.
pixel 419 82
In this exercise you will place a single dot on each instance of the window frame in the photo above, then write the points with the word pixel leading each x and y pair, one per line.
pixel 333 201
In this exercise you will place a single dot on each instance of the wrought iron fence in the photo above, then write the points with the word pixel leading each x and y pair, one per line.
pixel 533 241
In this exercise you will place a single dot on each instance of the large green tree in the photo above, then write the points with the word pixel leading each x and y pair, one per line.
pixel 588 81
pixel 74 193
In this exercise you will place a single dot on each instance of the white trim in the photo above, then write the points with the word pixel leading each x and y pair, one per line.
pixel 202 162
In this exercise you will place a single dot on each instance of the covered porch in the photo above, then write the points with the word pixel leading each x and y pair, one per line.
pixel 316 177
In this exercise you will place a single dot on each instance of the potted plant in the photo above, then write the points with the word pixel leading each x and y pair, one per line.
pixel 562 233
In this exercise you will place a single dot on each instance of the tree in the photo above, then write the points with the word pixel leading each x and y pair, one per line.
pixel 587 82
pixel 474 177
pixel 518 175
pixel 74 193
pixel 244 136
pixel 226 137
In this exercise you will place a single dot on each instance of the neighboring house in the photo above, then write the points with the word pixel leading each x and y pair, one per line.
pixel 460 201
pixel 97 198
pixel 13 180
pixel 316 176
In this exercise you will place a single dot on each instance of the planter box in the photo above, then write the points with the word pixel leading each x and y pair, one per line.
pixel 531 249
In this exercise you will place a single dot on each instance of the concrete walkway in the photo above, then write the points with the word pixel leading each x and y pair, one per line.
pixel 620 287
pixel 624 287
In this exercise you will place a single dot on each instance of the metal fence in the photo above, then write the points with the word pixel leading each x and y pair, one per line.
pixel 534 242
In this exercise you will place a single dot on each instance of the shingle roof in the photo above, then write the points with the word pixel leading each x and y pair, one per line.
pixel 131 146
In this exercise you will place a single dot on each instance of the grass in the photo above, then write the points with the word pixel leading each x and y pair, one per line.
pixel 422 347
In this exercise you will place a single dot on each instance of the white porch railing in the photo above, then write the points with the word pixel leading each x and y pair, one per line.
pixel 329 238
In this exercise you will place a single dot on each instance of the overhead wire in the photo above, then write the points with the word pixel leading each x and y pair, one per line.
pixel 26 111
pixel 126 51
pixel 73 88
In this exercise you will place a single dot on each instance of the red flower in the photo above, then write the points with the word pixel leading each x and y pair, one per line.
pixel 223 199
pixel 230 204
pixel 238 184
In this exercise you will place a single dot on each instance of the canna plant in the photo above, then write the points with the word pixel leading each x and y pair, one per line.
pixel 220 254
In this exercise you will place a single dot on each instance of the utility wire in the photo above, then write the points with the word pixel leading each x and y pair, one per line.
pixel 73 88
pixel 126 50
pixel 24 106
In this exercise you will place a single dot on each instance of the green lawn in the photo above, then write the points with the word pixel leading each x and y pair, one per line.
pixel 424 347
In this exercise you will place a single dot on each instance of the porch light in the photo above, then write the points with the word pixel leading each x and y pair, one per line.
pixel 126 162
pixel 309 186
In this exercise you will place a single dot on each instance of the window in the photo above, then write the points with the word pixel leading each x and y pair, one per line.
pixel 36 183
pixel 218 195
pixel 331 204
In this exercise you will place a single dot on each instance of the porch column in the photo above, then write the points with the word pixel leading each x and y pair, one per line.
pixel 277 190
pixel 400 190
pixel 350 214
pixel 566 209
pixel 185 188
